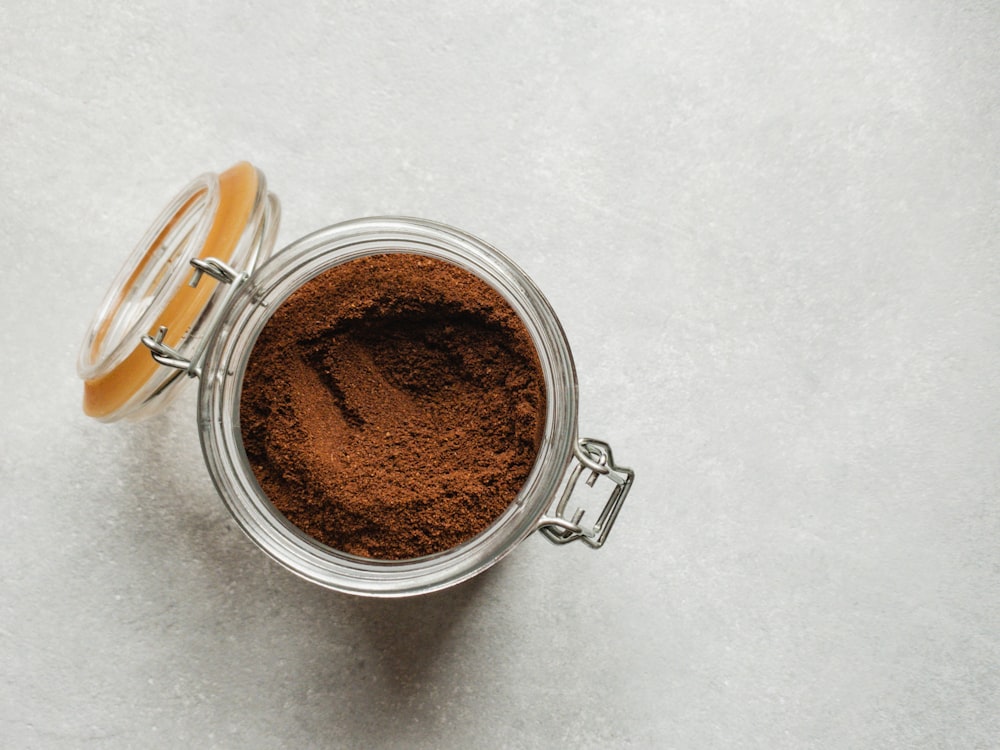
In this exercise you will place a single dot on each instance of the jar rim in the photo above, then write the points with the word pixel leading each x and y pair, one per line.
pixel 228 353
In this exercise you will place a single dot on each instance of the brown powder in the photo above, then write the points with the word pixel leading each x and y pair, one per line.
pixel 393 406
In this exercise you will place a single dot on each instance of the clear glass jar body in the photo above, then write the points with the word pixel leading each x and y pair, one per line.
pixel 249 309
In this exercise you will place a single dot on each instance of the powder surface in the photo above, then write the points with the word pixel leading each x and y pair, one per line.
pixel 393 406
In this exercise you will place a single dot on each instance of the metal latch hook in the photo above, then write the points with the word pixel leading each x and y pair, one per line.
pixel 595 457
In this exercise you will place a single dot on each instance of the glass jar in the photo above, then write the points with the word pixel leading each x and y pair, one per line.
pixel 217 347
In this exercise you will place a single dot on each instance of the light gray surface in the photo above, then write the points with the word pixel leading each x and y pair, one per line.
pixel 770 230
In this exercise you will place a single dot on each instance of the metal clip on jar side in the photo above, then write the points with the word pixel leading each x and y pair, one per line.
pixel 593 456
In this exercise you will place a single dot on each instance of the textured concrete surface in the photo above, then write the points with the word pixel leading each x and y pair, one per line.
pixel 770 230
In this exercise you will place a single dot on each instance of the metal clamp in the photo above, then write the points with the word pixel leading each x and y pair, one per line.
pixel 164 354
pixel 167 355
pixel 214 268
pixel 595 457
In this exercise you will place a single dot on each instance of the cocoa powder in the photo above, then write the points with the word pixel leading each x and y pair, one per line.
pixel 393 406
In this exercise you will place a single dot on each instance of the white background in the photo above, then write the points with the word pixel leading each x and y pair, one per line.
pixel 770 231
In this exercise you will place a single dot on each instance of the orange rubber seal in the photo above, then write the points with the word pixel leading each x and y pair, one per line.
pixel 109 392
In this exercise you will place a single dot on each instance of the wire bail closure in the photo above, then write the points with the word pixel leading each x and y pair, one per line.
pixel 594 456
pixel 170 357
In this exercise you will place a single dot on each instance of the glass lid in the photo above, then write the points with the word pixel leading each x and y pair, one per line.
pixel 229 218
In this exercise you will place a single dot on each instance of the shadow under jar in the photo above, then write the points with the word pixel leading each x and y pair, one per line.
pixel 246 300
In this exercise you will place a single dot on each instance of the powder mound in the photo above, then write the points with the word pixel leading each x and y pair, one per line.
pixel 393 406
